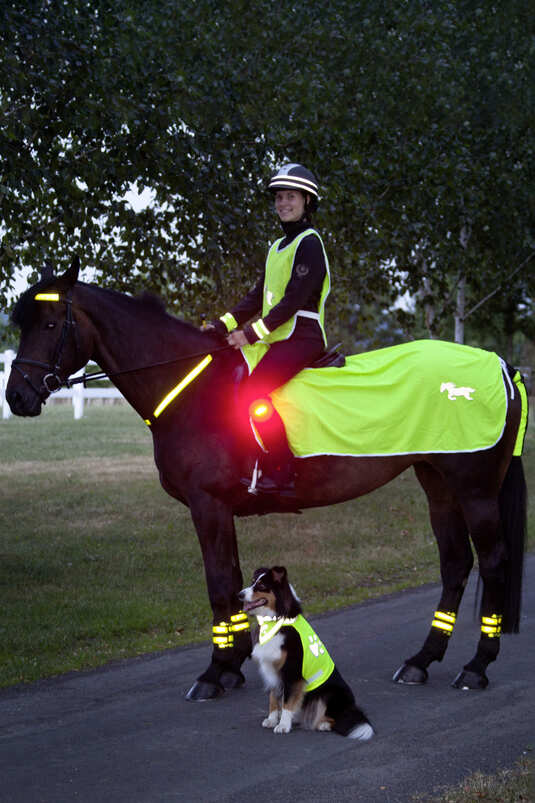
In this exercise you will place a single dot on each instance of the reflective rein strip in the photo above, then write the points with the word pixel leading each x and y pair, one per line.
pixel 171 396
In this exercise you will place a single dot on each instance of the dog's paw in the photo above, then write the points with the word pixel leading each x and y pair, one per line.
pixel 271 721
pixel 324 726
pixel 282 728
pixel 285 724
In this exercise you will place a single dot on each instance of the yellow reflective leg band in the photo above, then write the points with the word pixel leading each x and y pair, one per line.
pixel 445 621
pixel 223 633
pixel 230 321
pixel 239 622
pixel 491 626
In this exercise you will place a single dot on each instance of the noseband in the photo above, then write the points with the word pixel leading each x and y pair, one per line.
pixel 51 381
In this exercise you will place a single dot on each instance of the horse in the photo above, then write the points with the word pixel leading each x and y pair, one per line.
pixel 474 497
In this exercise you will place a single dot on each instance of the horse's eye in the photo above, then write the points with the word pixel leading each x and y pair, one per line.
pixel 50 325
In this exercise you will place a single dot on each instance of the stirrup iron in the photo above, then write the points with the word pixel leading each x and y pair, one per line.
pixel 257 473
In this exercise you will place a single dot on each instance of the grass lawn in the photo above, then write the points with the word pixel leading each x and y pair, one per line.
pixel 98 563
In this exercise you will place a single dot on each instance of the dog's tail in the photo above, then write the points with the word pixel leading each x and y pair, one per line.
pixel 354 724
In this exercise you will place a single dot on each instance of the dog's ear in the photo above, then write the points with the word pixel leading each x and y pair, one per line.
pixel 279 574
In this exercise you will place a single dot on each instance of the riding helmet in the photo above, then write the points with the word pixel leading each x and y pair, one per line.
pixel 295 177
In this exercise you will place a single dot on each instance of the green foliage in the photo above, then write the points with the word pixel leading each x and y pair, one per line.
pixel 416 117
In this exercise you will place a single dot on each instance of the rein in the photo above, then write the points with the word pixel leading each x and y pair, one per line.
pixel 96 375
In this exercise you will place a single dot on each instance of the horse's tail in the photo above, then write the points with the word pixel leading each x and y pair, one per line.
pixel 513 513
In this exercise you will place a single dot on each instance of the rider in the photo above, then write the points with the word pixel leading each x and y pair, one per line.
pixel 290 296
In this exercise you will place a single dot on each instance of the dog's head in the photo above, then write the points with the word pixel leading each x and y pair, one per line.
pixel 270 594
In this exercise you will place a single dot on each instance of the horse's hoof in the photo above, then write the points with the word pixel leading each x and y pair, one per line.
pixel 466 680
pixel 202 690
pixel 231 680
pixel 410 675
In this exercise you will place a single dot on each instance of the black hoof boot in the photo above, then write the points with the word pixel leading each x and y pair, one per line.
pixel 410 675
pixel 232 680
pixel 204 690
pixel 466 680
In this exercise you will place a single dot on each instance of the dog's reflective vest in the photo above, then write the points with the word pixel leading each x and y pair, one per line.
pixel 278 272
pixel 317 663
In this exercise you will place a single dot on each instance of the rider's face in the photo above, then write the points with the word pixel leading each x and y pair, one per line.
pixel 289 205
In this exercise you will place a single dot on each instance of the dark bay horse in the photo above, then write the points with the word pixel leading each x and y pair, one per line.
pixel 477 497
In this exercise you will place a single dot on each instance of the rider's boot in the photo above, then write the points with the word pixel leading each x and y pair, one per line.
pixel 276 462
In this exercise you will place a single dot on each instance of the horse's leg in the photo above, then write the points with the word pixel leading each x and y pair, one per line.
pixel 214 523
pixel 456 561
pixel 483 516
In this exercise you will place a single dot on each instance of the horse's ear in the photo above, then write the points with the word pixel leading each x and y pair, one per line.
pixel 47 271
pixel 71 275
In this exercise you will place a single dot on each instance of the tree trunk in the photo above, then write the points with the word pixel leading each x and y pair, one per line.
pixel 460 310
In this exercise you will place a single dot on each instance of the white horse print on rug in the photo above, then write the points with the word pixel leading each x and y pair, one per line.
pixel 454 391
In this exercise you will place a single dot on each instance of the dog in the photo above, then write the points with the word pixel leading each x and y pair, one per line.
pixel 304 684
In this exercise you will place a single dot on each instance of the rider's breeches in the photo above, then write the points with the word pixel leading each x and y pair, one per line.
pixel 282 362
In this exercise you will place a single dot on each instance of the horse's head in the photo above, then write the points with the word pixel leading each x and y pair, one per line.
pixel 50 347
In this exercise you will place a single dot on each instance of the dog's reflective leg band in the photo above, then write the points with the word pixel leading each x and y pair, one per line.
pixel 491 626
pixel 444 621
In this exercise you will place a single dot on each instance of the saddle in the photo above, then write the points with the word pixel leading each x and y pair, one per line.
pixel 330 359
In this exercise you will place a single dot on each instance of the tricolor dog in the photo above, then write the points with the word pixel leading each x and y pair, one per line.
pixel 303 682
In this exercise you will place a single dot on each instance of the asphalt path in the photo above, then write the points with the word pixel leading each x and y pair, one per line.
pixel 125 733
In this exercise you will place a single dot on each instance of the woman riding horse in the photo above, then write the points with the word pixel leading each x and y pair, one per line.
pixel 290 295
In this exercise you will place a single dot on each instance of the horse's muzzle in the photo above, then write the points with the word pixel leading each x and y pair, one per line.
pixel 23 402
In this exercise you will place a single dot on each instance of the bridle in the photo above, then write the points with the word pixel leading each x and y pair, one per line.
pixel 52 381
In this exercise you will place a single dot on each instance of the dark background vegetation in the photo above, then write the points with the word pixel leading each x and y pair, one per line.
pixel 416 116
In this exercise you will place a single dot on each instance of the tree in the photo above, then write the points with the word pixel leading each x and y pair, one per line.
pixel 415 115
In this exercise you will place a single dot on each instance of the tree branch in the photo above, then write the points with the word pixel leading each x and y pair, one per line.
pixel 493 293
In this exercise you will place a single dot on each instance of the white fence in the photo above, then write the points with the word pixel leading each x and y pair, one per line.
pixel 78 394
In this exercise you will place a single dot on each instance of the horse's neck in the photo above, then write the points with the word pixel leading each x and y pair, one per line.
pixel 129 333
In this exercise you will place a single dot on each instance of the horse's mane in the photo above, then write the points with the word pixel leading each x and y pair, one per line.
pixel 145 302
pixel 23 312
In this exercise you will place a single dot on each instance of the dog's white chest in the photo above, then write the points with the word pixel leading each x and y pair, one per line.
pixel 268 656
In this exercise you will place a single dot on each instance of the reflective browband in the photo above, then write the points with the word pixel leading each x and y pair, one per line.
pixel 46 297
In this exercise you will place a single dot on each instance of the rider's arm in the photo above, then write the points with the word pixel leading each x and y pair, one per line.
pixel 303 291
pixel 243 311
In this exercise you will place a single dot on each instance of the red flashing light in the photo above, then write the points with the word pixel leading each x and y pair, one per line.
pixel 261 410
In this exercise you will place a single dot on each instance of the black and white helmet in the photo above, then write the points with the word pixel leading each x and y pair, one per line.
pixel 294 177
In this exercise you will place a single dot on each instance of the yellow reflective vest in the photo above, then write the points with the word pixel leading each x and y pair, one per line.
pixel 278 271
pixel 317 663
